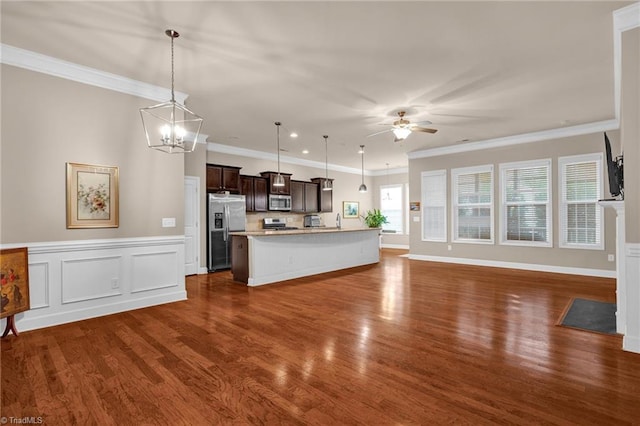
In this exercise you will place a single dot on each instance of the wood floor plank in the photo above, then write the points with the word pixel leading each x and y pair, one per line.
pixel 399 342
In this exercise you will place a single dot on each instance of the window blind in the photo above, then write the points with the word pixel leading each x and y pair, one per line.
pixel 581 215
pixel 526 207
pixel 434 202
pixel 473 204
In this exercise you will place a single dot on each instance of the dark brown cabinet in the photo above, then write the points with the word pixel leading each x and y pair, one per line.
pixel 255 191
pixel 325 198
pixel 304 197
pixel 240 258
pixel 223 178
pixel 284 190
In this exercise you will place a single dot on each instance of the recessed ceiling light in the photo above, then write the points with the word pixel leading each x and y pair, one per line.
pixel 305 151
pixel 293 135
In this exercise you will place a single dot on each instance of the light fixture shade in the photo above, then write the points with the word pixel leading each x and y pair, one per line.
pixel 363 188
pixel 171 127
pixel 401 132
pixel 278 180
pixel 326 185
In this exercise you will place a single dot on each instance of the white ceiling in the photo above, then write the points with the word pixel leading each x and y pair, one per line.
pixel 477 70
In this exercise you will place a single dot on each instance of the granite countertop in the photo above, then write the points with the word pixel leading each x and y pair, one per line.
pixel 301 231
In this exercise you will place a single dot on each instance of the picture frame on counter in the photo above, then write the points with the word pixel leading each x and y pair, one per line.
pixel 92 196
pixel 350 209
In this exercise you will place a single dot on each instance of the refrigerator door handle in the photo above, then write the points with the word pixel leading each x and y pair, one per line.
pixel 226 222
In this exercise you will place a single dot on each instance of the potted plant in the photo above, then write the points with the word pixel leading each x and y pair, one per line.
pixel 375 219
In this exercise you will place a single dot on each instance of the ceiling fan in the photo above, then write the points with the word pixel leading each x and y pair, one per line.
pixel 402 128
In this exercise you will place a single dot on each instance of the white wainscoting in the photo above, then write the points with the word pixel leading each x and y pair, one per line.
pixel 631 339
pixel 75 280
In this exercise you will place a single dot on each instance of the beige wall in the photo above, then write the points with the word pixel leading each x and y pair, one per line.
pixel 554 256
pixel 48 121
pixel 630 131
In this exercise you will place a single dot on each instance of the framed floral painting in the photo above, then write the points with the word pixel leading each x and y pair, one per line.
pixel 92 196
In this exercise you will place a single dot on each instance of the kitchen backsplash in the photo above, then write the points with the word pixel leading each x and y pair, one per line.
pixel 254 220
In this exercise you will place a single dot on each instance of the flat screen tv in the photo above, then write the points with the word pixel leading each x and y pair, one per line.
pixel 614 170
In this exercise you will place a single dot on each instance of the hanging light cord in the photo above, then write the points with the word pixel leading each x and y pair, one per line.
pixel 326 158
pixel 277 123
pixel 363 164
pixel 172 36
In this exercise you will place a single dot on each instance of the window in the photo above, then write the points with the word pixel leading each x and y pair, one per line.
pixel 391 205
pixel 580 189
pixel 525 214
pixel 472 204
pixel 434 205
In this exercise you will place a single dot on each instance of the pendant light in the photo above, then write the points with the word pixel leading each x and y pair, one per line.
pixel 326 185
pixel 363 187
pixel 170 126
pixel 279 180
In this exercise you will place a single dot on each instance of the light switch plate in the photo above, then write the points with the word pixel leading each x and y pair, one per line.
pixel 168 222
pixel 416 218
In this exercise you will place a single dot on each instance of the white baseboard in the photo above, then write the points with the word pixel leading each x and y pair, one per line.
pixel 515 265
pixel 395 246
pixel 631 344
pixel 75 280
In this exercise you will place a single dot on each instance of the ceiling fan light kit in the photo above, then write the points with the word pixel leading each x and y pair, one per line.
pixel 170 126
pixel 403 128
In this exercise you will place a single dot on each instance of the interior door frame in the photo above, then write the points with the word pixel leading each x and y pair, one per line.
pixel 196 209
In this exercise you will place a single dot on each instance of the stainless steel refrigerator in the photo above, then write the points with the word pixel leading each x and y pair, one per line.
pixel 227 213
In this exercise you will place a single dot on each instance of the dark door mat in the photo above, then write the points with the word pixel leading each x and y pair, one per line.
pixel 590 315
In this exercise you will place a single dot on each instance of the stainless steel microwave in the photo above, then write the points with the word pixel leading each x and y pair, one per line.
pixel 279 202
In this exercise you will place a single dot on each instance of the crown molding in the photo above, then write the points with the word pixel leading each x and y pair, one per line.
pixel 582 129
pixel 261 155
pixel 37 62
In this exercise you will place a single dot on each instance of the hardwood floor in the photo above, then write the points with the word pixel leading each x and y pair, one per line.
pixel 400 342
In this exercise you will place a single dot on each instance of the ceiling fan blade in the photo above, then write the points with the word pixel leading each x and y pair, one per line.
pixel 395 139
pixel 423 129
pixel 422 123
pixel 379 133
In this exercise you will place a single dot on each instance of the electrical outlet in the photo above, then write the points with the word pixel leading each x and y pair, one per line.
pixel 611 258
pixel 449 247
pixel 114 283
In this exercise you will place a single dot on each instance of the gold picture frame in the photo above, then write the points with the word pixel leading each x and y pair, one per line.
pixel 92 196
pixel 350 209
pixel 14 277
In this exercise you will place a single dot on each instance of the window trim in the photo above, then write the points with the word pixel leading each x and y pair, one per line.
pixel 504 167
pixel 598 157
pixel 403 194
pixel 443 173
pixel 454 203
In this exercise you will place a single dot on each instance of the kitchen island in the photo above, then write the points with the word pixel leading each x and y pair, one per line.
pixel 264 257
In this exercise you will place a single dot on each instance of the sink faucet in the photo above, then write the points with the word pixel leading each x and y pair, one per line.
pixel 338 221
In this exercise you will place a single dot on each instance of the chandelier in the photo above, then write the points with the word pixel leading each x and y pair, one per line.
pixel 170 126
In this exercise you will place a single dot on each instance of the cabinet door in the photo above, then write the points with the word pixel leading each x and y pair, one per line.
pixel 259 194
pixel 325 198
pixel 310 197
pixel 297 197
pixel 246 189
pixel 214 178
pixel 230 179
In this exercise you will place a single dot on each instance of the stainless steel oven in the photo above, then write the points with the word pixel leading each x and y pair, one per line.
pixel 279 202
